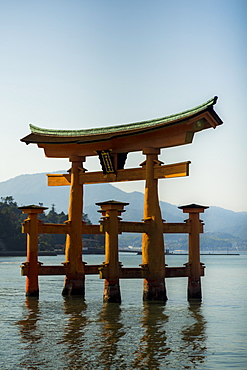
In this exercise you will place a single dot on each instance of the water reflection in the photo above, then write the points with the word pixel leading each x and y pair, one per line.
pixel 28 325
pixel 73 340
pixel 111 332
pixel 171 337
pixel 153 346
pixel 74 335
pixel 30 333
pixel 194 337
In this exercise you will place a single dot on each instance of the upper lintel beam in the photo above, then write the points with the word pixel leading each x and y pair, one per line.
pixel 132 174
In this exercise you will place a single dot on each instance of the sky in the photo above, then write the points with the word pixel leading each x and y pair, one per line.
pixel 75 64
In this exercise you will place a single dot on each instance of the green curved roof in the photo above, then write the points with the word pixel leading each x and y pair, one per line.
pixel 124 127
pixel 50 136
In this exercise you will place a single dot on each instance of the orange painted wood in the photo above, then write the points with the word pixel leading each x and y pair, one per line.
pixel 59 179
pixel 133 227
pixel 165 137
pixel 176 228
pixel 123 226
pixel 125 272
pixel 131 174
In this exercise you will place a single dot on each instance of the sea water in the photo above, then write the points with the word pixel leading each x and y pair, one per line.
pixel 54 332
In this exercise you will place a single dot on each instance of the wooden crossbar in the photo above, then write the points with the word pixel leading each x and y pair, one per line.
pixel 124 226
pixel 130 174
pixel 124 273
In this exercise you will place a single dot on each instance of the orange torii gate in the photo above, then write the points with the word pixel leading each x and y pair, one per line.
pixel 112 145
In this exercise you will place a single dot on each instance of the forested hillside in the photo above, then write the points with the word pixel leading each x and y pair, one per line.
pixel 10 225
pixel 12 239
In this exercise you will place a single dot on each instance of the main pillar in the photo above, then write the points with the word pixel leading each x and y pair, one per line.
pixel 153 256
pixel 75 279
pixel 196 227
pixel 32 284
pixel 110 211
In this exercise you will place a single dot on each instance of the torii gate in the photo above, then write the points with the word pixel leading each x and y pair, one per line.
pixel 112 145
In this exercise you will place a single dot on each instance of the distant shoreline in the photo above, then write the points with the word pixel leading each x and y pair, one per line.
pixel 201 254
pixel 23 253
pixel 43 253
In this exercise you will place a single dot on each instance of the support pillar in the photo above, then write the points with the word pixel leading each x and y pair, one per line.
pixel 32 284
pixel 153 255
pixel 110 211
pixel 74 283
pixel 196 227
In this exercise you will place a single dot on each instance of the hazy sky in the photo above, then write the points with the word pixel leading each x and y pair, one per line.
pixel 78 64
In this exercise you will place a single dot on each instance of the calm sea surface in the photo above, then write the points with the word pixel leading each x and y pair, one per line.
pixel 57 333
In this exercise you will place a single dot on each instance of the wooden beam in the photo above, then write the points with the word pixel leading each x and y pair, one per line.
pixel 59 269
pixel 135 174
pixel 133 227
pixel 54 228
pixel 92 229
pixel 125 272
pixel 168 227
pixel 141 273
pixel 92 269
pixel 61 228
pixel 129 174
pixel 124 226
pixel 47 228
pixel 59 179
pixel 132 273
pixel 176 228
pixel 172 170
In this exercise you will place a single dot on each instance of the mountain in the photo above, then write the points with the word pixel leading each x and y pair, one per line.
pixel 33 189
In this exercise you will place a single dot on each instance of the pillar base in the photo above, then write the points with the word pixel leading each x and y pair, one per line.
pixel 194 289
pixel 32 293
pixel 154 290
pixel 74 287
pixel 32 285
pixel 112 292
